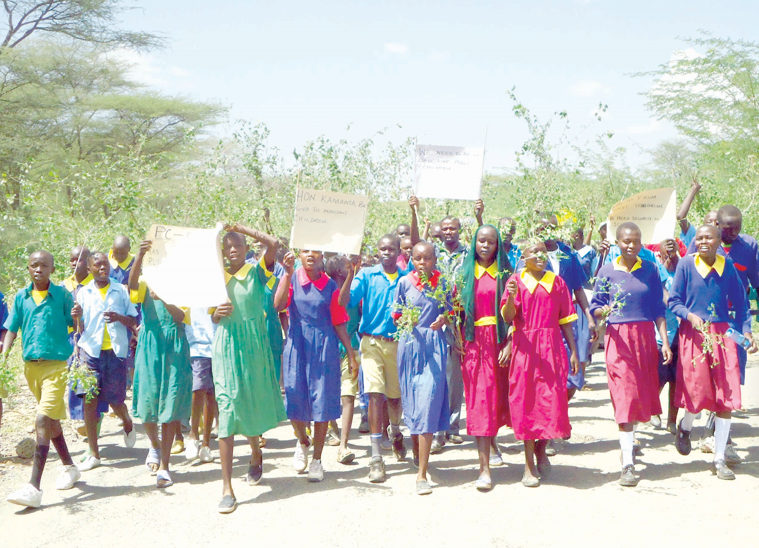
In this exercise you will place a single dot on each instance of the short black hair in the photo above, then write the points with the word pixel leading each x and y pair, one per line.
pixel 393 238
pixel 713 228
pixel 94 254
pixel 729 211
pixel 627 226
pixel 334 263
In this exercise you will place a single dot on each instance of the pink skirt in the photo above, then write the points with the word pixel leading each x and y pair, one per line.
pixel 486 384
pixel 711 382
pixel 632 368
pixel 538 385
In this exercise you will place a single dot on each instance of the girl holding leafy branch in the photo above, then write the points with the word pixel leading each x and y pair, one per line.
pixel 540 305
pixel 628 296
pixel 484 360
pixel 422 357
pixel 708 370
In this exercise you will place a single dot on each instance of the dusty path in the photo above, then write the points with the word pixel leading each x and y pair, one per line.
pixel 677 500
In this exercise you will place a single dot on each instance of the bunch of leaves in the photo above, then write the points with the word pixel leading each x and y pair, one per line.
pixel 709 341
pixel 617 299
pixel 407 322
pixel 81 378
pixel 447 296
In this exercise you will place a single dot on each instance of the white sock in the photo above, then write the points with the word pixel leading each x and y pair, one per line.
pixel 395 429
pixel 376 439
pixel 721 433
pixel 626 443
pixel 687 422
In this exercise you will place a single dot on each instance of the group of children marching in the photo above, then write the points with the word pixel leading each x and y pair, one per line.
pixel 518 341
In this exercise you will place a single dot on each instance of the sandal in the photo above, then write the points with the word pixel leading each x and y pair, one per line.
pixel 261 442
pixel 163 479
pixel 154 457
pixel 345 458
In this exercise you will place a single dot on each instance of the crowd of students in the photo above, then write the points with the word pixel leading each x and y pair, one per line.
pixel 323 333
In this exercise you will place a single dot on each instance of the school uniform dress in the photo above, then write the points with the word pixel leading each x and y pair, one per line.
pixel 311 361
pixel 422 359
pixel 539 366
pixel 668 373
pixel 3 315
pixel 571 272
pixel 162 386
pixel 486 383
pixel 632 357
pixel 247 391
pixel 273 325
pixel 708 381
pixel 743 254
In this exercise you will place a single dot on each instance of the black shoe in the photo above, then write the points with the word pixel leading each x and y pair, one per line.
pixel 399 448
pixel 227 505
pixel 722 471
pixel 255 473
pixel 682 440
pixel 627 478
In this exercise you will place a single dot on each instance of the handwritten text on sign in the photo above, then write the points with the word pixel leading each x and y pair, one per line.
pixel 448 173
pixel 654 211
pixel 329 221
pixel 184 266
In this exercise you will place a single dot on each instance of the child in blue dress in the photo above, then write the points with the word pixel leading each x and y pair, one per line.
pixel 311 360
pixel 422 358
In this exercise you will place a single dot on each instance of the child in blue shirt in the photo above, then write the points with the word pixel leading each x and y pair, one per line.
pixel 705 289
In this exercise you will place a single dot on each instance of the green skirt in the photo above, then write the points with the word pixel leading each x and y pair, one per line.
pixel 247 390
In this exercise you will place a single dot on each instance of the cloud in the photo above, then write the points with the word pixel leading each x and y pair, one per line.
pixel 589 88
pixel 639 129
pixel 440 55
pixel 396 47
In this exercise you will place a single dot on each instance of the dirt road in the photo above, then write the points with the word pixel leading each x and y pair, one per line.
pixel 677 501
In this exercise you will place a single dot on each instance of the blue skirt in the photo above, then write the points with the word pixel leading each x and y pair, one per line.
pixel 311 369
pixel 422 360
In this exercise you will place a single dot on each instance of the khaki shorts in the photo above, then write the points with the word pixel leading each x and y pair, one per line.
pixel 379 363
pixel 47 381
pixel 348 385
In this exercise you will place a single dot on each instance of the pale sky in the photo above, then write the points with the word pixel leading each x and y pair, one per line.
pixel 439 69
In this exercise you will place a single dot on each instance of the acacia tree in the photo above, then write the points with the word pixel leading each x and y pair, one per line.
pixel 92 21
pixel 711 94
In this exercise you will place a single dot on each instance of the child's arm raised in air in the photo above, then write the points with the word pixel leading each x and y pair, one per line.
pixel 479 208
pixel 344 298
pixel 270 242
pixel 590 230
pixel 283 288
pixel 134 274
pixel 682 215
pixel 413 203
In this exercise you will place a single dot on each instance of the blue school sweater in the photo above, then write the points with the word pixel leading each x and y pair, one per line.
pixel 744 256
pixel 641 290
pixel 692 292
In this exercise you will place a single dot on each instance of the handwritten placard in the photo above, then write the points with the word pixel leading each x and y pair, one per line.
pixel 329 221
pixel 654 211
pixel 448 173
pixel 184 267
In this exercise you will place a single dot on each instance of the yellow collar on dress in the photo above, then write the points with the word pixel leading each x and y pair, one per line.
pixel 123 264
pixel 479 271
pixel 704 269
pixel 531 283
pixel 240 274
pixel 619 266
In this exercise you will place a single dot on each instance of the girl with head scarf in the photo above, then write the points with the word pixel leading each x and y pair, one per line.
pixel 484 333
